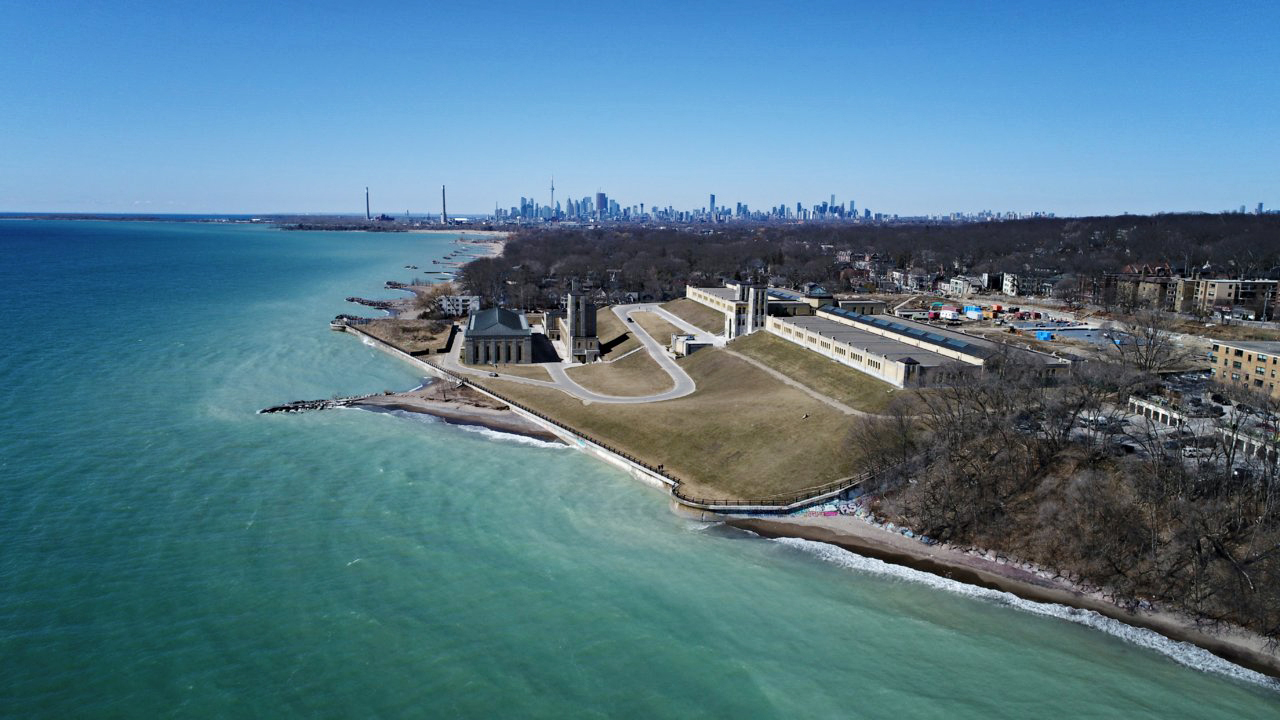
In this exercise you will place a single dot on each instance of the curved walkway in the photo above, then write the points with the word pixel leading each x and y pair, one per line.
pixel 560 380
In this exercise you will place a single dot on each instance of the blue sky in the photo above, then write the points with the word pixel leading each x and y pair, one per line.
pixel 1075 108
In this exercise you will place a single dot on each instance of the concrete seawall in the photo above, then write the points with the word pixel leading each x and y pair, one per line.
pixel 572 439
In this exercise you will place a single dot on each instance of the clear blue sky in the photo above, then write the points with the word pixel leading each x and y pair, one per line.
pixel 906 107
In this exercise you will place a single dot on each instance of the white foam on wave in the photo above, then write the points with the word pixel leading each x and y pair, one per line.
pixel 426 419
pixel 511 437
pixel 1180 652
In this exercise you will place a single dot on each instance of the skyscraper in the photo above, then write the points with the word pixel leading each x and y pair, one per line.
pixel 713 203
pixel 602 204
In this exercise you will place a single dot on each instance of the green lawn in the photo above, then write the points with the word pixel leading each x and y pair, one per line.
pixel 634 375
pixel 697 314
pixel 742 435
pixel 853 388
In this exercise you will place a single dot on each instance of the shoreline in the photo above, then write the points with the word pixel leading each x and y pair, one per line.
pixel 1235 645
pixel 462 410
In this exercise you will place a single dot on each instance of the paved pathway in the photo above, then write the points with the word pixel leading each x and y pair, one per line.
pixel 560 380
pixel 801 387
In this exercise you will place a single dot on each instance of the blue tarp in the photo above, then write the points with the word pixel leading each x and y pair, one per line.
pixel 1044 334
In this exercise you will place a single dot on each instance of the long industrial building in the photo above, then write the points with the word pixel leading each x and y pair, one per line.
pixel 858 334
pixel 900 352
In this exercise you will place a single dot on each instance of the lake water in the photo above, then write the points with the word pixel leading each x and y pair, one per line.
pixel 165 551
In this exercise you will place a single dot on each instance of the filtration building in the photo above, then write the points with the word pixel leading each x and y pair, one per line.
pixel 498 335
pixel 856 333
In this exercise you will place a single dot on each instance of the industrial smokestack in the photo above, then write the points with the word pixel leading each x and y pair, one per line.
pixel 367 216
pixel 444 208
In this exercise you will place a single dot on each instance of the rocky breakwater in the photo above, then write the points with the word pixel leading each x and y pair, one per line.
pixel 306 405
pixel 453 403
pixel 379 304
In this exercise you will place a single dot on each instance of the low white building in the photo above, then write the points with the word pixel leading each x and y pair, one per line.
pixel 454 305
pixel 1010 285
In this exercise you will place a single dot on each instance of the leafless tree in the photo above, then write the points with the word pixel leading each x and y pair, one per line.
pixel 1146 340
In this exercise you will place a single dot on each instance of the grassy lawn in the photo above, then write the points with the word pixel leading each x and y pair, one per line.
pixel 741 435
pixel 853 388
pixel 655 325
pixel 615 339
pixel 697 314
pixel 409 335
pixel 634 375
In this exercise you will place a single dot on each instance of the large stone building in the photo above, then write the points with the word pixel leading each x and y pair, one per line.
pixel 498 335
pixel 1243 364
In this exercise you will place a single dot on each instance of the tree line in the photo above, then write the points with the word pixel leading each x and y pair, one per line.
pixel 656 263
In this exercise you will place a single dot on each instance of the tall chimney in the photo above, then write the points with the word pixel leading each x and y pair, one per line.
pixel 367 216
pixel 444 208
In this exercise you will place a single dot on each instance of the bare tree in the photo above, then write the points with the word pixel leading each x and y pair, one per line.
pixel 1146 341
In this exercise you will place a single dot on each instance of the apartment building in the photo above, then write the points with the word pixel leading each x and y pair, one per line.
pixel 1246 364
pixel 1205 297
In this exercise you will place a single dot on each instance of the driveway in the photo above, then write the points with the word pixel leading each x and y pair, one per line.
pixel 560 380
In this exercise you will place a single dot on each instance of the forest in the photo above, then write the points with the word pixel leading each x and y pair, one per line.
pixel 1057 475
pixel 656 263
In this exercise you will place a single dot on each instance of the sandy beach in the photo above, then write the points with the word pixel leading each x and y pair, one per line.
pixel 458 406
pixel 851 533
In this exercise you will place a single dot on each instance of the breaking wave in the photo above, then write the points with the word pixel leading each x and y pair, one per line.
pixel 510 437
pixel 1180 652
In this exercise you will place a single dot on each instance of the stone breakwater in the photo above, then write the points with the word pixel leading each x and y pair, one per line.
pixel 379 304
pixel 307 405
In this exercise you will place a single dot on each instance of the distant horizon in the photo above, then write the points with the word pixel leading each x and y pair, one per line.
pixel 915 110
pixel 464 214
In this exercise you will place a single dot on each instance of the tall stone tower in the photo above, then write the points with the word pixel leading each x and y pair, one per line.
pixel 579 332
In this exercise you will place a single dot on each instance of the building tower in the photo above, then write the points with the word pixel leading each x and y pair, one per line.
pixel 367 216
pixel 579 330
pixel 713 204
pixel 553 197
pixel 444 208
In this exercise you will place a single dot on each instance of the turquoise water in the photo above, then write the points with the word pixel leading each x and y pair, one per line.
pixel 166 552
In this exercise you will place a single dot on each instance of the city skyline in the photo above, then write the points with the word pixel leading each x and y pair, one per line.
pixel 929 110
